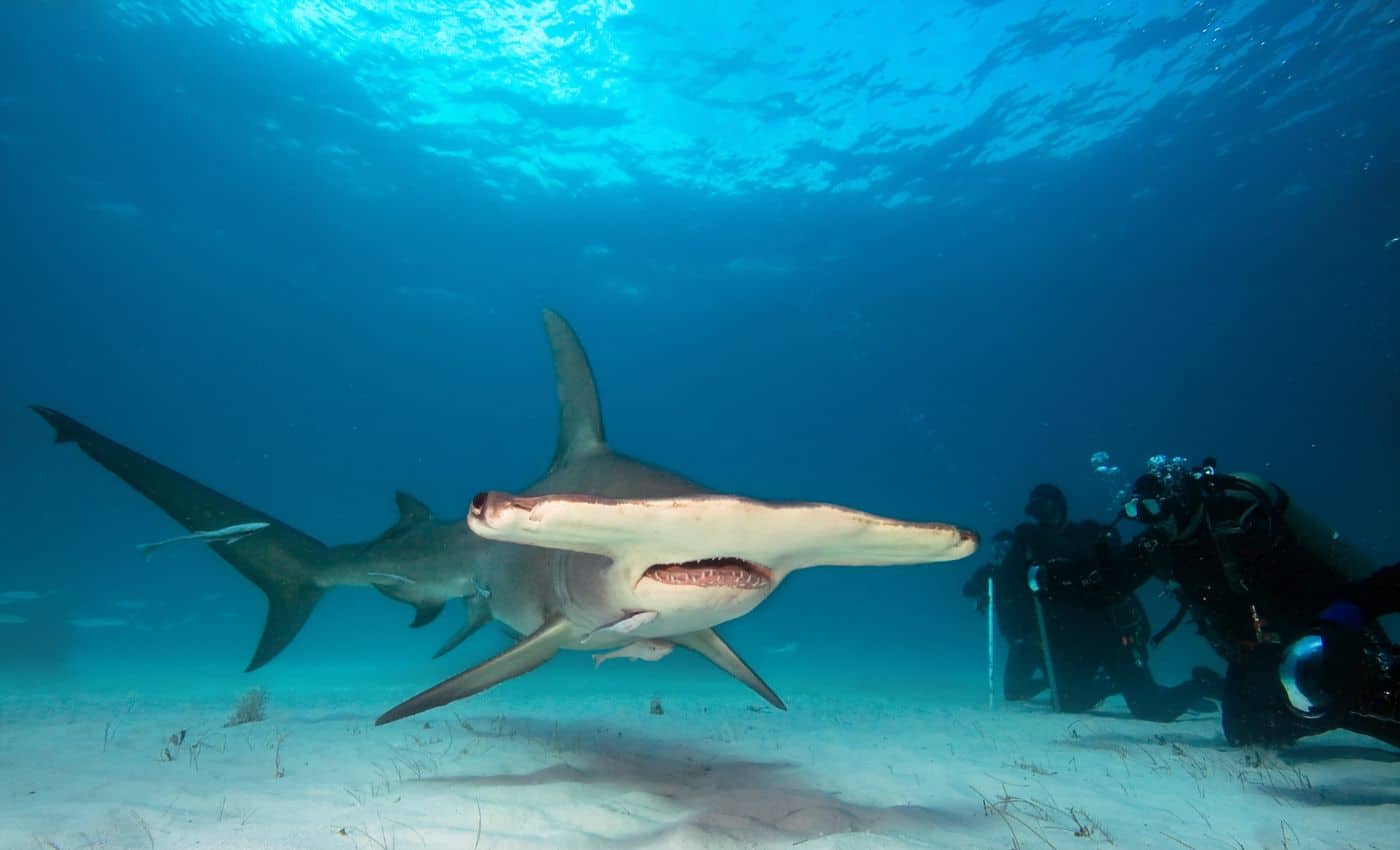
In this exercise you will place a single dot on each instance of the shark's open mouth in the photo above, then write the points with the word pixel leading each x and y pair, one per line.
pixel 712 572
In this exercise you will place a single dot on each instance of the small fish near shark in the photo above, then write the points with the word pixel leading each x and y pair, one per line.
pixel 638 650
pixel 227 534
pixel 602 552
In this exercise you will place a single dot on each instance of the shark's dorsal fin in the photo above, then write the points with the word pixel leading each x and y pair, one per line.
pixel 412 511
pixel 580 417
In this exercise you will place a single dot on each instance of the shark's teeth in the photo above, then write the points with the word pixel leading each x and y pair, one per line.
pixel 712 572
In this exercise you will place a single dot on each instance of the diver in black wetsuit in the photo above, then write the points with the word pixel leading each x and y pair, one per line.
pixel 1290 607
pixel 1093 652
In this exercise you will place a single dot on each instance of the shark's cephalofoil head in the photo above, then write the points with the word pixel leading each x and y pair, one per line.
pixel 697 561
pixel 617 557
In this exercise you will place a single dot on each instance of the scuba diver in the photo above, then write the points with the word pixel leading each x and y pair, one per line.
pixel 1289 606
pixel 1081 654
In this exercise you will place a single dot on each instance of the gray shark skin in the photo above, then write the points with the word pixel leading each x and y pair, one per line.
pixel 557 593
pixel 419 560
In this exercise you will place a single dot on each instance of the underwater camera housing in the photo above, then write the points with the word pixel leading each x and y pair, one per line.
pixel 1377 692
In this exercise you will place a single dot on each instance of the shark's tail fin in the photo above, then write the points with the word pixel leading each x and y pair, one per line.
pixel 280 560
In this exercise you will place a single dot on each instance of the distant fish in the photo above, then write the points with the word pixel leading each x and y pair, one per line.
pixel 97 622
pixel 226 535
pixel 637 650
pixel 786 649
pixel 18 596
pixel 1394 240
pixel 11 620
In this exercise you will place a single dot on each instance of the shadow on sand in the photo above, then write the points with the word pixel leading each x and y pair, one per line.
pixel 699 795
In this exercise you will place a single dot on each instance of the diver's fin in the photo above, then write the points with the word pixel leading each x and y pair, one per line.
pixel 411 512
pixel 580 417
pixel 708 643
pixel 283 562
pixel 525 656
pixel 478 615
pixel 425 613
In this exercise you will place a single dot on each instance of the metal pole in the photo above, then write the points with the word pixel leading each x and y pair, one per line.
pixel 991 615
pixel 1045 653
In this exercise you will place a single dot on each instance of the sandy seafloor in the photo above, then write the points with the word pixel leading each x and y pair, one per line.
pixel 576 759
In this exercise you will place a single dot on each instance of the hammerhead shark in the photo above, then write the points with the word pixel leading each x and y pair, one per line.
pixel 601 551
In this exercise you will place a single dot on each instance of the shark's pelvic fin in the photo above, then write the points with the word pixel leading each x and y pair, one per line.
pixel 708 643
pixel 580 417
pixel 525 656
pixel 478 615
pixel 425 613
pixel 280 560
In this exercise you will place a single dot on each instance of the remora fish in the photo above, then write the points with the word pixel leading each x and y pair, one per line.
pixel 637 650
pixel 227 534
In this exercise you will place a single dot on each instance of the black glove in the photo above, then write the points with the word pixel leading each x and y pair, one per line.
pixel 976 588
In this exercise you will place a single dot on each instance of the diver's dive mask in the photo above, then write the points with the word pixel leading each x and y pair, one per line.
pixel 1163 497
pixel 1150 501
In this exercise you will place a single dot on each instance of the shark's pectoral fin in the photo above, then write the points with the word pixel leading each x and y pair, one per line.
pixel 708 643
pixel 525 656
pixel 478 615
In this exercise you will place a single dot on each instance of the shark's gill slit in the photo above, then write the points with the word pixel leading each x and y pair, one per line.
pixel 712 572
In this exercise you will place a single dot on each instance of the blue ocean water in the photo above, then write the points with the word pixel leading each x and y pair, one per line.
pixel 912 258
